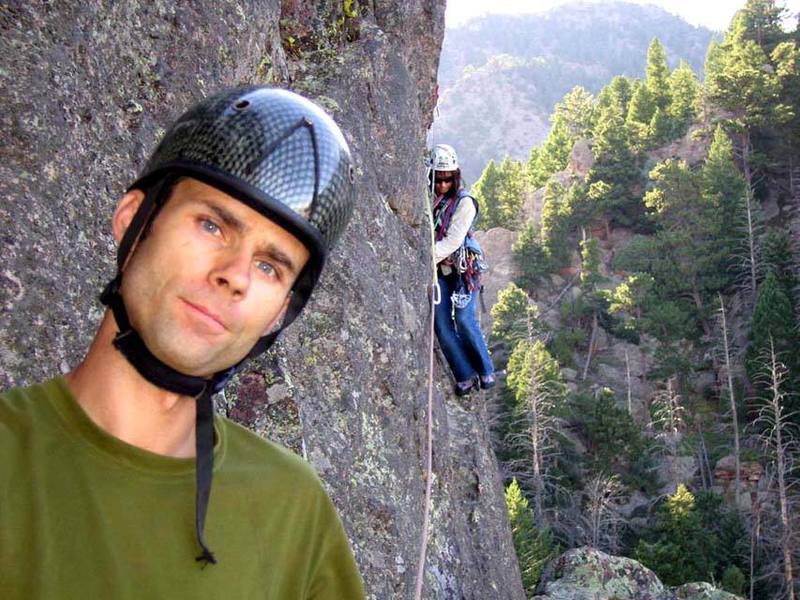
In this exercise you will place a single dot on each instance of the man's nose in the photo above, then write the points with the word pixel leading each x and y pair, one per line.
pixel 232 272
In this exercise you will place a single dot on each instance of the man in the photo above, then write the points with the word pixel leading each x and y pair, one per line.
pixel 105 479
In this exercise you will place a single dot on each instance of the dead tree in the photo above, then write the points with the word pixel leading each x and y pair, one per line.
pixel 667 418
pixel 780 440
pixel 628 382
pixel 731 397
pixel 535 380
pixel 602 498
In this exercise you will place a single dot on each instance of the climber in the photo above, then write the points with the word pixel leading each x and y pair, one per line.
pixel 459 265
pixel 106 472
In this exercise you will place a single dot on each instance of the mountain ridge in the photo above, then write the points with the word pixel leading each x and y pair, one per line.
pixel 482 112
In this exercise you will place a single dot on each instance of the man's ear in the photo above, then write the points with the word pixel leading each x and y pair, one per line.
pixel 277 322
pixel 123 215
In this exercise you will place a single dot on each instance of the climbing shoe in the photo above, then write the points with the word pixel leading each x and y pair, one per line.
pixel 463 388
pixel 487 381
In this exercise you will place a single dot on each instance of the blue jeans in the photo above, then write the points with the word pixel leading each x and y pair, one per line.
pixel 461 339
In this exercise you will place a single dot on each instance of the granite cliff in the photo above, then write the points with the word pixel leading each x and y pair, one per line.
pixel 87 89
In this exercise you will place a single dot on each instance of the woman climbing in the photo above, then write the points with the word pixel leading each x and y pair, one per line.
pixel 459 265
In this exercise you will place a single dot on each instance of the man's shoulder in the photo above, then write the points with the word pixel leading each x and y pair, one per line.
pixel 261 455
pixel 24 402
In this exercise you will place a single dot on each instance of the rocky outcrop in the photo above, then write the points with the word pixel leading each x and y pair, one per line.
pixel 88 88
pixel 584 573
pixel 581 159
pixel 692 147
pixel 496 244
pixel 589 574
pixel 750 472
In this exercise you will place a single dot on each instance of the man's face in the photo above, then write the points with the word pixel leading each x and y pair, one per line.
pixel 211 277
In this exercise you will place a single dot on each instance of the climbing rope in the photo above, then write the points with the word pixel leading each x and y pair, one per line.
pixel 436 297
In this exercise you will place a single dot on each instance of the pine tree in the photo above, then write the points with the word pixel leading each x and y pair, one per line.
pixel 777 256
pixel 714 62
pixel 640 112
pixel 576 111
pixel 631 297
pixel 530 257
pixel 487 193
pixel 556 224
pixel 760 21
pixel 786 148
pixel 773 325
pixel 724 188
pixel 685 91
pixel 686 217
pixel 665 313
pixel 657 75
pixel 534 547
pixel 641 107
pixel 682 550
pixel 510 192
pixel 616 166
pixel 615 96
pixel 721 181
pixel 514 316
pixel 551 157
pixel 742 81
pixel 571 120
pixel 660 129
pixel 534 378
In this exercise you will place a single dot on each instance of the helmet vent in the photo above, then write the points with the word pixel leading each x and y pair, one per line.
pixel 242 105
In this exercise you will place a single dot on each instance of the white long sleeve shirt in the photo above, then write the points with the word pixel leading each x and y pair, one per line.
pixel 459 227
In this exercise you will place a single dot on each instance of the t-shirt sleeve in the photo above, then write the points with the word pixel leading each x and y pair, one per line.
pixel 335 575
pixel 459 227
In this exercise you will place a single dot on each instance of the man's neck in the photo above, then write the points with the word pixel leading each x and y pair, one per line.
pixel 127 406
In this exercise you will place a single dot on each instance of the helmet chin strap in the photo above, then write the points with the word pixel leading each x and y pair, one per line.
pixel 130 344
pixel 229 141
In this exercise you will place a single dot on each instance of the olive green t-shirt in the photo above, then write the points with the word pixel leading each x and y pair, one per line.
pixel 83 515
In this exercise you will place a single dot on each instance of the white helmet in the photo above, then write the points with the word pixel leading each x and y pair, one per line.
pixel 444 158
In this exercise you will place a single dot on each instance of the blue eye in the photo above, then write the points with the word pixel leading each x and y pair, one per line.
pixel 209 226
pixel 266 267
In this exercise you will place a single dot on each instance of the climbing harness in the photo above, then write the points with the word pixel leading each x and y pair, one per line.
pixel 468 260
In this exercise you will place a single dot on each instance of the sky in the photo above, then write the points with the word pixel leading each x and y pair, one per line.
pixel 715 15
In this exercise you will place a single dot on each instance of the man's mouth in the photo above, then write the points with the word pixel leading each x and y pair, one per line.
pixel 213 320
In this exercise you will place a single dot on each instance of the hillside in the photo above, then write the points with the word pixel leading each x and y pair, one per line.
pixel 500 76
pixel 648 310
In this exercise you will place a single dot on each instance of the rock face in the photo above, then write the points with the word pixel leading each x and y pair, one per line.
pixel 586 573
pixel 89 87
pixel 496 244
pixel 581 159
pixel 589 574
pixel 692 147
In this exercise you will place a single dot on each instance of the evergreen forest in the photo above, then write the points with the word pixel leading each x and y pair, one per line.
pixel 651 407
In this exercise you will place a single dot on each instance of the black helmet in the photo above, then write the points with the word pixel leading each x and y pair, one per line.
pixel 274 150
pixel 282 156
